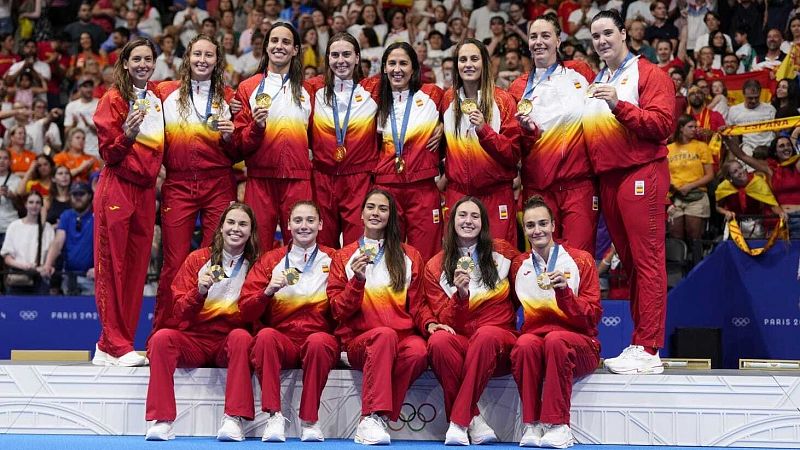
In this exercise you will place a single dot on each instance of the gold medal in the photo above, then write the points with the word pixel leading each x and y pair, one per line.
pixel 590 90
pixel 466 263
pixel 212 122
pixel 341 152
pixel 469 105
pixel 371 250
pixel 141 103
pixel 524 107
pixel 263 100
pixel 292 276
pixel 217 273
pixel 399 164
pixel 543 280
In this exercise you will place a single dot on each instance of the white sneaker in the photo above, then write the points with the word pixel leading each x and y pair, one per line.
pixel 557 436
pixel 132 359
pixel 275 431
pixel 160 431
pixel 102 358
pixel 532 435
pixel 372 431
pixel 231 429
pixel 311 432
pixel 634 359
pixel 456 435
pixel 480 432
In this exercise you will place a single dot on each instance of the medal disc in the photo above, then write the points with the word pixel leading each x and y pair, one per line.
pixel 543 281
pixel 524 107
pixel 292 276
pixel 212 122
pixel 469 105
pixel 399 165
pixel 590 90
pixel 466 263
pixel 263 100
pixel 217 273
pixel 141 103
pixel 371 250
pixel 341 152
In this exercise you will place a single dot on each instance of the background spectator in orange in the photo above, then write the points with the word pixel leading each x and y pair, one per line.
pixel 79 163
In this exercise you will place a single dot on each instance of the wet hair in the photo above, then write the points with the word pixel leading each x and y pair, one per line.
pixel 185 75
pixel 295 65
pixel 122 78
pixel 612 14
pixel 486 267
pixel 550 18
pixel 386 102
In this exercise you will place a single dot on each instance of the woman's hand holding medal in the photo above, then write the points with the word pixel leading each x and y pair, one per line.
pixel 225 126
pixel 557 279
pixel 277 283
pixel 359 266
pixel 205 281
pixel 607 92
pixel 461 278
pixel 260 115
pixel 133 122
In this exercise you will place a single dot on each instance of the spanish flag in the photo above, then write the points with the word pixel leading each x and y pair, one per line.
pixel 757 189
pixel 735 83
pixel 790 65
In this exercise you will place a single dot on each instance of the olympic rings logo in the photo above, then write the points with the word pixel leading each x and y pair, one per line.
pixel 740 321
pixel 28 315
pixel 415 418
pixel 611 321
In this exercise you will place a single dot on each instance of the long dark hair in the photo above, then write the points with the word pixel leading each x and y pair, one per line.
pixel 217 76
pixel 683 120
pixel 251 248
pixel 357 73
pixel 392 243
pixel 615 17
pixel 486 102
pixel 122 78
pixel 489 275
pixel 386 102
pixel 295 65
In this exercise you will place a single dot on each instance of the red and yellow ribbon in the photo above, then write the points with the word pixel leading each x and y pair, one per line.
pixel 736 235
pixel 756 127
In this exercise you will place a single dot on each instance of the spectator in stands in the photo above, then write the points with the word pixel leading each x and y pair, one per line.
pixel 559 341
pixel 665 56
pixel 79 114
pixel 25 249
pixel 58 201
pixel 79 61
pixel 480 20
pixel 231 59
pixel 84 25
pixel 752 110
pixel 309 72
pixel 640 10
pixel 248 62
pixel 512 62
pixel 310 56
pixel 119 37
pixel 745 194
pixel 731 64
pixel 745 52
pixel 9 186
pixel 786 99
pixel 690 170
pixel 74 238
pixel 783 169
pixel 401 28
pixel 167 63
pixel 75 158
pixel 719 100
pixel 494 43
pixel 773 57
pixel 708 120
pixel 107 82
pixel 211 330
pixel 189 21
pixel 103 14
pixel 712 21
pixel 29 62
pixel 294 9
pixel 579 21
pixel 38 178
pixel 636 41
pixel 27 86
pixel 320 22
pixel 21 157
pixel 704 66
pixel 149 18
pixel 446 81
pixel 749 13
pixel 472 324
pixel 661 29
pixel 456 31
pixel 57 57
pixel 132 24
pixel 8 55
pixel 792 34
pixel 517 24
pixel 254 19
pixel 209 27
pixel 716 41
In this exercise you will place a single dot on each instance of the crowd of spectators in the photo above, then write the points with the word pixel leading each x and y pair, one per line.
pixel 56 60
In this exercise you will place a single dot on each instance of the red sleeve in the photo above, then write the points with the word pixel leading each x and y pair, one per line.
pixel 447 310
pixel 252 299
pixel 652 120
pixel 312 86
pixel 435 93
pixel 344 295
pixel 583 311
pixel 373 86
pixel 187 301
pixel 502 146
pixel 717 121
pixel 108 118
pixel 582 68
pixel 248 135
pixel 415 295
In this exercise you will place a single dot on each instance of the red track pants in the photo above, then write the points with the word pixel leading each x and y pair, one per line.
pixel 340 198
pixel 173 348
pixel 545 368
pixel 124 217
pixel 419 214
pixel 273 351
pixel 271 200
pixel 464 366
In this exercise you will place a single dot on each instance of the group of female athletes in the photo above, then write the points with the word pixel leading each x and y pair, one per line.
pixel 410 288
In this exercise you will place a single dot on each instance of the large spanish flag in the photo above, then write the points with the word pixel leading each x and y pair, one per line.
pixel 734 83
pixel 790 65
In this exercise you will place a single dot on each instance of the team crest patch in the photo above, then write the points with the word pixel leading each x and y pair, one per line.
pixel 578 85
pixel 358 98
pixel 638 187
pixel 624 81
pixel 419 102
pixel 568 275
pixel 503 212
pixel 325 268
pixel 436 216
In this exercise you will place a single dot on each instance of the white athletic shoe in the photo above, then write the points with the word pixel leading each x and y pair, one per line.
pixel 372 431
pixel 311 432
pixel 635 360
pixel 160 431
pixel 231 429
pixel 532 435
pixel 456 435
pixel 102 358
pixel 132 359
pixel 480 432
pixel 275 431
pixel 557 436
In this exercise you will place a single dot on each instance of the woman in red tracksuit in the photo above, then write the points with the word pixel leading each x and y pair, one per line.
pixel 343 139
pixel 408 118
pixel 559 291
pixel 274 138
pixel 467 290
pixel 286 290
pixel 210 333
pixel 130 127
pixel 555 163
pixel 626 121
pixel 482 139
pixel 375 290
pixel 199 154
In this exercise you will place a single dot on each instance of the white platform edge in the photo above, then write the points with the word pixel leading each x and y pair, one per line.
pixel 704 409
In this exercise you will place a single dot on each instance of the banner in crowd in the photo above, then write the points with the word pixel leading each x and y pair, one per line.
pixel 790 65
pixel 736 236
pixel 756 127
pixel 735 85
